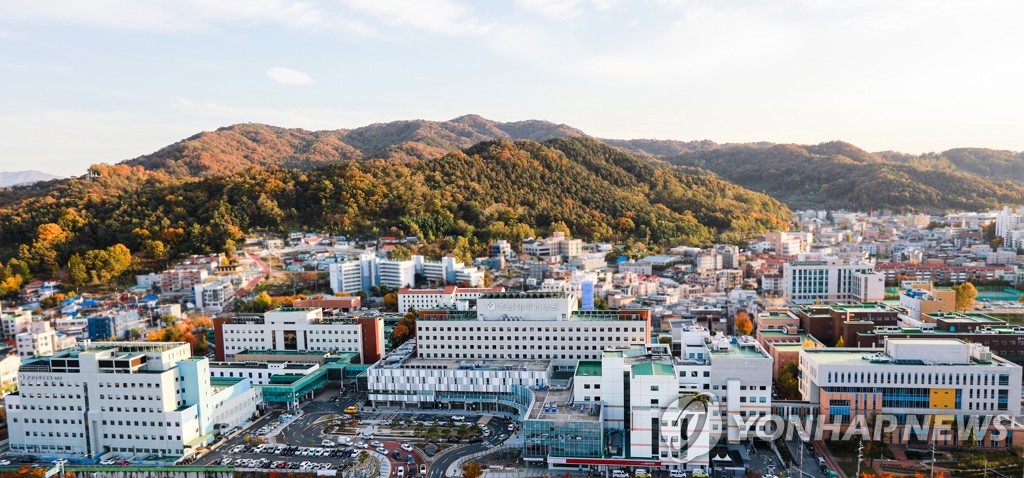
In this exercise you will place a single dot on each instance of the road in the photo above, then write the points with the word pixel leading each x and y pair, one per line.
pixel 498 427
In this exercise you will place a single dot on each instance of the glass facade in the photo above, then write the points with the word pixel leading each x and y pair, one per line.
pixel 576 439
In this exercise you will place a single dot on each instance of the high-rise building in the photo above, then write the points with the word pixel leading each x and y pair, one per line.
pixel 1010 226
pixel 368 270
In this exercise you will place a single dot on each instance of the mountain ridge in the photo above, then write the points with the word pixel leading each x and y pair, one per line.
pixel 28 176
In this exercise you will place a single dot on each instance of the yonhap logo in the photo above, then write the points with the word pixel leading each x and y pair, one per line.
pixel 691 426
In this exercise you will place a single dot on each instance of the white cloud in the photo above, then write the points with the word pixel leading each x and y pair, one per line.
pixel 436 16
pixel 553 9
pixel 287 76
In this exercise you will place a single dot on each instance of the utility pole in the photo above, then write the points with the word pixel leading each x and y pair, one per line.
pixel 932 474
pixel 860 454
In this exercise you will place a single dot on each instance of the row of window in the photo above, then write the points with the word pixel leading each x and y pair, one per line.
pixel 592 356
pixel 506 329
pixel 557 338
pixel 919 378
pixel 426 346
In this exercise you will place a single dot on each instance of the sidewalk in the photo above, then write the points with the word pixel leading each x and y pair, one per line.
pixel 272 435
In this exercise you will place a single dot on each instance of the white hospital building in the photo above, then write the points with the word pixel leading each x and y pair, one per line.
pixel 450 297
pixel 300 329
pixel 528 326
pixel 588 385
pixel 132 399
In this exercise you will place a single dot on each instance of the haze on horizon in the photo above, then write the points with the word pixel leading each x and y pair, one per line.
pixel 88 82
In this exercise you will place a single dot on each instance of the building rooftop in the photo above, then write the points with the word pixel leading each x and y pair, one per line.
pixel 588 368
pixel 654 368
pixel 264 365
pixel 556 405
pixel 733 347
pixel 878 356
pixel 966 317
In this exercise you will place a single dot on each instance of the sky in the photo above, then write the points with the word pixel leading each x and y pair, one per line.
pixel 84 82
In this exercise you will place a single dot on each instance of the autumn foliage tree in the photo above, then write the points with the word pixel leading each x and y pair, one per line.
pixel 965 295
pixel 472 470
pixel 399 335
pixel 191 330
pixel 742 323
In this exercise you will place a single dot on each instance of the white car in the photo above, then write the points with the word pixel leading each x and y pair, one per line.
pixel 406 447
pixel 363 445
pixel 382 450
pixel 676 474
pixel 107 462
pixel 377 444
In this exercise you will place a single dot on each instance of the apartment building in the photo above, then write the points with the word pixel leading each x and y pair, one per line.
pixel 938 271
pixel 367 270
pixel 300 329
pixel 181 280
pixel 556 245
pixel 133 399
pixel 10 362
pixel 789 243
pixel 40 340
pixel 15 322
pixel 214 295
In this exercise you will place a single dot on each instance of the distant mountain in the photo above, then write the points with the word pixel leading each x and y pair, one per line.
pixel 994 164
pixel 235 148
pixel 15 178
pixel 840 175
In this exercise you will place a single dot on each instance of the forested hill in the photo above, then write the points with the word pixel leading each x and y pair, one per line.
pixel 459 202
pixel 238 147
pixel 839 175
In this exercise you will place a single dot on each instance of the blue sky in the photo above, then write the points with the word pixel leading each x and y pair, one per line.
pixel 83 82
